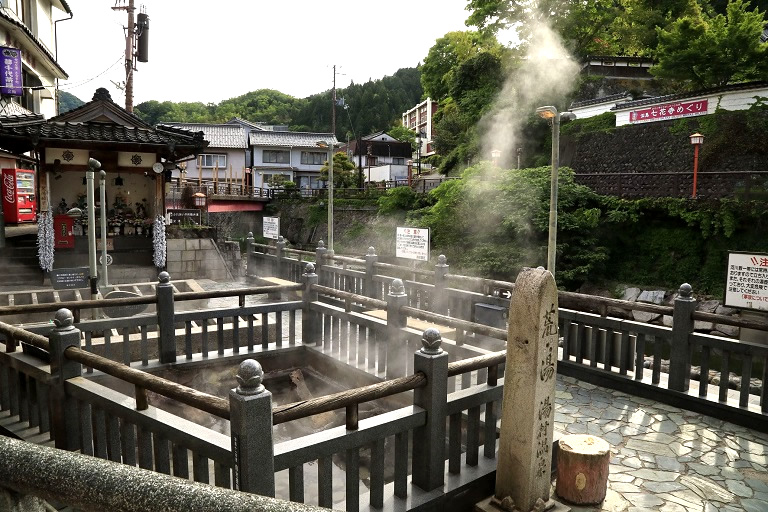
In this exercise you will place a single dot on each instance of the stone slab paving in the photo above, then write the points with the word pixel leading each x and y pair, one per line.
pixel 666 459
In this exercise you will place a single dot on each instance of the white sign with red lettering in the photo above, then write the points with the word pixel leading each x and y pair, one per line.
pixel 747 282
pixel 412 243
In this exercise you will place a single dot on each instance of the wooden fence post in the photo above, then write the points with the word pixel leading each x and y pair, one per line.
pixel 438 295
pixel 65 424
pixel 396 322
pixel 429 439
pixel 370 286
pixel 165 313
pixel 250 406
pixel 311 322
pixel 680 351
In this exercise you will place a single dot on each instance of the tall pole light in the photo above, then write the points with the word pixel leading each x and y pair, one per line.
pixel 697 140
pixel 93 164
pixel 103 211
pixel 550 112
pixel 418 153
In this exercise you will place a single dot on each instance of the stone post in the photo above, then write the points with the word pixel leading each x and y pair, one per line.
pixel 396 322
pixel 429 440
pixel 64 419
pixel 165 314
pixel 311 321
pixel 250 406
pixel 279 255
pixel 438 295
pixel 370 270
pixel 528 409
pixel 680 351
pixel 250 263
pixel 320 253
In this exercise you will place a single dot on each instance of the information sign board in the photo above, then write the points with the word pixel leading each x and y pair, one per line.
pixel 412 243
pixel 271 227
pixel 747 282
pixel 184 216
pixel 63 278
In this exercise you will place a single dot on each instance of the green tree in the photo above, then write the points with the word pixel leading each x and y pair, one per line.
pixel 68 101
pixel 448 52
pixel 344 175
pixel 714 51
pixel 403 134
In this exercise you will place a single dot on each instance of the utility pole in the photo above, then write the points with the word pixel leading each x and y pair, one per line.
pixel 129 41
pixel 333 102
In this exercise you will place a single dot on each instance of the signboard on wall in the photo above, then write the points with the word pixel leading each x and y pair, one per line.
pixel 10 76
pixel 271 227
pixel 747 282
pixel 669 111
pixel 65 278
pixel 184 216
pixel 412 243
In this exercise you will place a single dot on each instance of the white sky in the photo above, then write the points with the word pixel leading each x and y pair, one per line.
pixel 211 51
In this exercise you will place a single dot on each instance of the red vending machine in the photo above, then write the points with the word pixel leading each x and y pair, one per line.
pixel 19 203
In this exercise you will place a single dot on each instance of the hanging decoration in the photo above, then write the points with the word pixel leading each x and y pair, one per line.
pixel 45 240
pixel 158 241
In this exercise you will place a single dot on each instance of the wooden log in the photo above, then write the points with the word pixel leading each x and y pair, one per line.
pixel 582 469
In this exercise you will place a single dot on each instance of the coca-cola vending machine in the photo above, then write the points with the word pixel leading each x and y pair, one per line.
pixel 19 203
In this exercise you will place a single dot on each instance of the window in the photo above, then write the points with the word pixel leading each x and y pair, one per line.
pixel 372 160
pixel 313 157
pixel 398 161
pixel 276 157
pixel 211 161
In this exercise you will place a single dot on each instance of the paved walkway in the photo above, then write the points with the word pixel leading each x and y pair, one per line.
pixel 665 459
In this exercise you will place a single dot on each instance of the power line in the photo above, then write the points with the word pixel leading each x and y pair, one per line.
pixel 68 85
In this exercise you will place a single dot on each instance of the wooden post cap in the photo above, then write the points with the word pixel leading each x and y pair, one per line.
pixel 582 469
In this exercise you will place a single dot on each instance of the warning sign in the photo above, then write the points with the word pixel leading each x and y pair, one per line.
pixel 747 282
pixel 412 243
pixel 271 227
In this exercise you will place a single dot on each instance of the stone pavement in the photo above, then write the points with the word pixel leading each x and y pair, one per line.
pixel 665 459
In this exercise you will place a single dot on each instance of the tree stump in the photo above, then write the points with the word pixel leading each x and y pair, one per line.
pixel 582 469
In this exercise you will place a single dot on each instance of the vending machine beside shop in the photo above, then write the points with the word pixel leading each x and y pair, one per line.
pixel 19 202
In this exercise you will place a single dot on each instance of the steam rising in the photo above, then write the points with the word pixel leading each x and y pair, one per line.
pixel 545 76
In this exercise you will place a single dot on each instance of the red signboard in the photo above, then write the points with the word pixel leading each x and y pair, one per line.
pixel 669 111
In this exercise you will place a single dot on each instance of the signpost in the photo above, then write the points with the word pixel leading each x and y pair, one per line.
pixel 65 278
pixel 412 243
pixel 747 281
pixel 271 227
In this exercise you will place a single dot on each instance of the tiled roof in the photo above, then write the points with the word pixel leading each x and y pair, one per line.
pixel 13 114
pixel 288 139
pixel 604 99
pixel 218 135
pixel 243 122
pixel 106 132
pixel 695 94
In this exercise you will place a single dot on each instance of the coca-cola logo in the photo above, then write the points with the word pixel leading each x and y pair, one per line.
pixel 9 187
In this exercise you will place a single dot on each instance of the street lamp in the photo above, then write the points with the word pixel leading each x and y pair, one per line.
pixel 329 145
pixel 495 155
pixel 418 153
pixel 697 140
pixel 550 112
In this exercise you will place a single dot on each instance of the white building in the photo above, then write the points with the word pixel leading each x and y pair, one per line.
pixel 298 156
pixel 419 119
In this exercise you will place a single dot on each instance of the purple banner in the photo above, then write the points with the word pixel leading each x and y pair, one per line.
pixel 10 74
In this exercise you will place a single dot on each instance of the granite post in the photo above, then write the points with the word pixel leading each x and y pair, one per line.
pixel 528 410
pixel 311 321
pixel 64 414
pixel 370 270
pixel 396 322
pixel 438 298
pixel 250 268
pixel 320 252
pixel 279 255
pixel 250 406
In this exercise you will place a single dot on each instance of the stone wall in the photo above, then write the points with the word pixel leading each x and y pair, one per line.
pixel 656 159
pixel 196 258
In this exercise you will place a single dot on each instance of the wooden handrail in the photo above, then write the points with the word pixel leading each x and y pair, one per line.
pixel 437 318
pixel 476 363
pixel 361 299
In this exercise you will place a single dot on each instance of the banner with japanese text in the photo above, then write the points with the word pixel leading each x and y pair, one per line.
pixel 669 111
pixel 10 79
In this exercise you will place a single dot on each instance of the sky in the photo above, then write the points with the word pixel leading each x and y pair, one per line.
pixel 211 51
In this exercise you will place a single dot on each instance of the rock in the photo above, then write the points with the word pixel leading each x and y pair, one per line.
pixel 708 306
pixel 725 310
pixel 666 321
pixel 699 325
pixel 726 330
pixel 651 296
pixel 631 294
pixel 642 316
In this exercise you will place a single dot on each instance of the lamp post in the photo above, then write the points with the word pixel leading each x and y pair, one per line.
pixel 550 112
pixel 697 140
pixel 329 145
pixel 519 153
pixel 418 153
pixel 495 155
pixel 103 211
pixel 93 164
